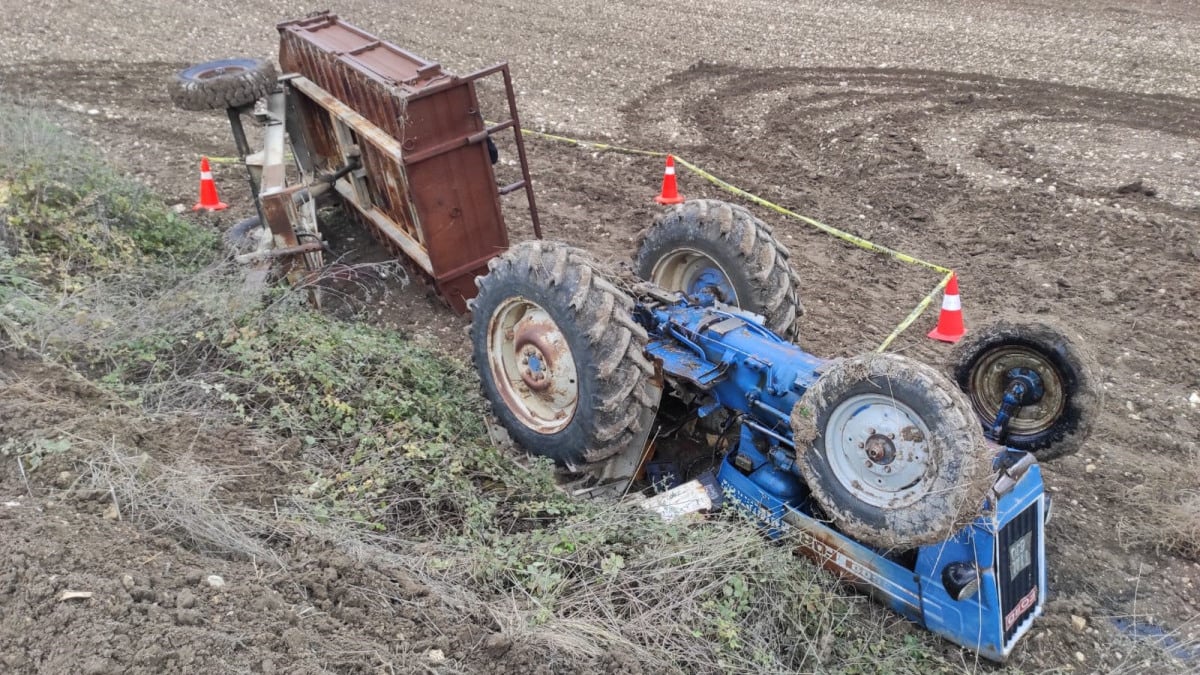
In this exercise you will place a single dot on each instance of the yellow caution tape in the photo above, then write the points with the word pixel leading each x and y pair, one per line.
pixel 828 229
pixel 729 187
pixel 913 315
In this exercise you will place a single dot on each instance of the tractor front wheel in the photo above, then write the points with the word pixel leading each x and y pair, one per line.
pixel 1054 422
pixel 560 358
pixel 891 451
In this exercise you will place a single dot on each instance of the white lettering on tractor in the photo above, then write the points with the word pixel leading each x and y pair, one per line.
pixel 1025 603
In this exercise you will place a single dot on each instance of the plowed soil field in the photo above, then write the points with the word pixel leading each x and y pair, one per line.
pixel 1049 154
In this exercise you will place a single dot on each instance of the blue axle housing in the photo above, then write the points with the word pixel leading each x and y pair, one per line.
pixel 980 588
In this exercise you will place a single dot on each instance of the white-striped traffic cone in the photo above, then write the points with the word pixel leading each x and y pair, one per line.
pixel 208 190
pixel 950 327
pixel 670 191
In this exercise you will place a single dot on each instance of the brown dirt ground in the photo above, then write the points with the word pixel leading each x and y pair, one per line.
pixel 994 145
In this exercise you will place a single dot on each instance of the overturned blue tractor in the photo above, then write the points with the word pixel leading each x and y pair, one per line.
pixel 923 491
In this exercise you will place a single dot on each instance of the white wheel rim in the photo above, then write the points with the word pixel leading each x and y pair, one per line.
pixel 532 365
pixel 689 270
pixel 879 450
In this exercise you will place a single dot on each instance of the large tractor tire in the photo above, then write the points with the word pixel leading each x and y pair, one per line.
pixel 561 360
pixel 891 451
pixel 1061 418
pixel 229 83
pixel 710 244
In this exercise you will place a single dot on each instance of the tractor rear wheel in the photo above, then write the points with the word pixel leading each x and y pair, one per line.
pixel 891 451
pixel 1061 418
pixel 707 244
pixel 229 83
pixel 560 358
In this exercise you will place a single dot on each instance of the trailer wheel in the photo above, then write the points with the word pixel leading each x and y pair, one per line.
pixel 1061 418
pixel 891 451
pixel 711 244
pixel 560 358
pixel 229 83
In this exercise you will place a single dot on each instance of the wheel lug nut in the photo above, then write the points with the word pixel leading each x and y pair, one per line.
pixel 862 445
pixel 892 436
pixel 870 464
pixel 871 431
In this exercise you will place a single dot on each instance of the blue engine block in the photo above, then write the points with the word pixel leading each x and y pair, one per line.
pixel 995 567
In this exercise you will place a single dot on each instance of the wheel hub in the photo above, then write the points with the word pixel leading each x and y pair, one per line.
pixel 1044 396
pixel 694 273
pixel 532 365
pixel 879 450
pixel 536 364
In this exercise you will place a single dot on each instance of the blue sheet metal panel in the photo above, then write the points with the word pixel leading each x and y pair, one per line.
pixel 977 622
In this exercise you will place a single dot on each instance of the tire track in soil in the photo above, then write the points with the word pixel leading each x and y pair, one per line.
pixel 941 165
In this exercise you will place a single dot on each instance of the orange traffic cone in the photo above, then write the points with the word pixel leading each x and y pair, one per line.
pixel 670 192
pixel 208 190
pixel 950 326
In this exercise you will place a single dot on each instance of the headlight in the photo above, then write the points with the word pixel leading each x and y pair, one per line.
pixel 961 580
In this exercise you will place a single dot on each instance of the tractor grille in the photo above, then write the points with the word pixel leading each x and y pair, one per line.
pixel 1017 567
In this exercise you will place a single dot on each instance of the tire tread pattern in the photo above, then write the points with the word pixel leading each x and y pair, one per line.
pixel 615 343
pixel 189 91
pixel 773 283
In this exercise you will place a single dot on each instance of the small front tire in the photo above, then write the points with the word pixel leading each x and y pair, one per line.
pixel 1060 421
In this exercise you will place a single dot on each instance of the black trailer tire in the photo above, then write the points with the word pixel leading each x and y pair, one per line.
pixel 686 238
pixel 560 359
pixel 1063 419
pixel 891 451
pixel 229 83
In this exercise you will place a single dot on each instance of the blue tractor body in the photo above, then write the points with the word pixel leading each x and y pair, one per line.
pixel 981 587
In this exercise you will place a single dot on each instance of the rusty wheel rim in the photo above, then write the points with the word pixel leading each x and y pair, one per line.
pixel 989 380
pixel 690 271
pixel 532 365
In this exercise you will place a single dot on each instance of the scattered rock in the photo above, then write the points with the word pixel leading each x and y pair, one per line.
pixel 1080 657
pixel 497 645
pixel 215 581
pixel 1090 468
pixel 112 512
pixel 435 656
pixel 1078 622
pixel 1194 399
pixel 74 595
pixel 187 617
pixel 127 582
pixel 185 599
pixel 1130 188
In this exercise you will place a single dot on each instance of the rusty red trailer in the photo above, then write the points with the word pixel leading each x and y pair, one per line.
pixel 400 139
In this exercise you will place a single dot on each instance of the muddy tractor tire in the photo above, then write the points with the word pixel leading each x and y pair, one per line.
pixel 229 83
pixel 560 358
pixel 891 451
pixel 1062 416
pixel 711 244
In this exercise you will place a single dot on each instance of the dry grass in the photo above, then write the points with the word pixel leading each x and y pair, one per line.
pixel 183 500
pixel 1163 512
